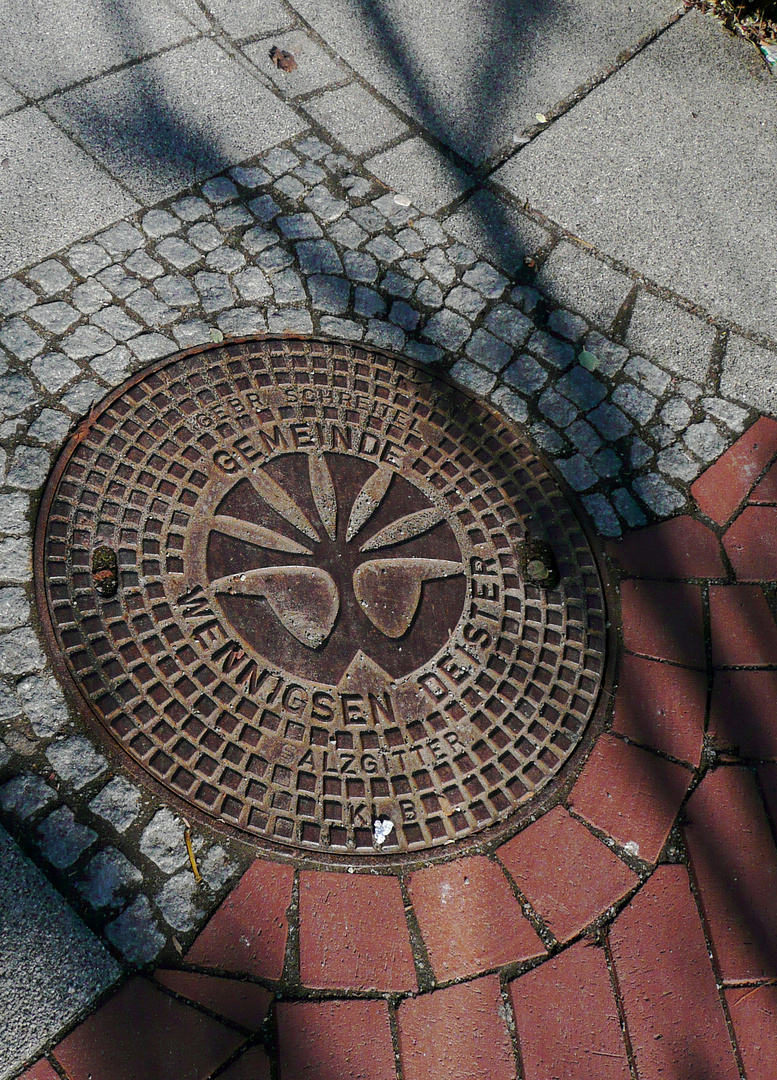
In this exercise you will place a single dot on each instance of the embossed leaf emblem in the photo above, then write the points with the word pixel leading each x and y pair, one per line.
pixel 305 598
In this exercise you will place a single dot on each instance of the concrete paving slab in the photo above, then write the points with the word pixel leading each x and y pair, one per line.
pixel 494 228
pixel 477 78
pixel 355 118
pixel 575 279
pixel 245 18
pixel 315 67
pixel 161 125
pixel 417 169
pixel 749 373
pixel 51 193
pixel 9 99
pixel 52 966
pixel 47 47
pixel 678 340
pixel 669 167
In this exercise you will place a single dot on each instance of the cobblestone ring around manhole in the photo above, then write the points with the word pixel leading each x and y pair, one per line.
pixel 284 577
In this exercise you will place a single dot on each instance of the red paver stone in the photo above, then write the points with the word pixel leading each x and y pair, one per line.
pixel 456 1034
pixel 335 1040
pixel 248 932
pixel 631 794
pixel 674 1015
pixel 767 777
pixel 567 1019
pixel 241 1002
pixel 252 1065
pixel 734 862
pixel 663 620
pixel 743 713
pixel 743 628
pixel 567 875
pixel 141 1033
pixel 753 1012
pixel 721 488
pixel 470 919
pixel 680 548
pixel 41 1070
pixel 353 933
pixel 751 545
pixel 766 490
pixel 662 706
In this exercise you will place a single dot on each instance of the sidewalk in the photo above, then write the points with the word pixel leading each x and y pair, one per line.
pixel 573 217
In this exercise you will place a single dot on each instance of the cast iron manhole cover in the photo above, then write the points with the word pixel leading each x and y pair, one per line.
pixel 289 579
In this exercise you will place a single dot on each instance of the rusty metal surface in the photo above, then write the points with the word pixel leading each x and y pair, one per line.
pixel 287 578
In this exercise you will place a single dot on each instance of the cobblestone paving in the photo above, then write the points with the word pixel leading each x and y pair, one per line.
pixel 621 389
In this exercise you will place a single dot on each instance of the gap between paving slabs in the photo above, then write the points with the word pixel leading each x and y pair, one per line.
pixel 104 334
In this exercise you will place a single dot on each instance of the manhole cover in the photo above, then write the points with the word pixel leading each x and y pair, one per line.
pixel 291 580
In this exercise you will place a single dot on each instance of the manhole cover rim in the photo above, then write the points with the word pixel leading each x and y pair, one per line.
pixel 484 839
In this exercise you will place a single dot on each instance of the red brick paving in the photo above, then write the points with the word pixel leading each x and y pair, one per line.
pixel 680 548
pixel 457 1034
pixel 674 1015
pixel 662 706
pixel 631 794
pixel 766 490
pixel 41 1070
pixel 743 629
pixel 567 1019
pixel 750 544
pixel 470 919
pixel 767 778
pixel 743 712
pixel 721 488
pixel 353 933
pixel 753 1014
pixel 248 932
pixel 663 620
pixel 252 1065
pixel 144 1034
pixel 335 1040
pixel 567 875
pixel 241 1002
pixel 734 862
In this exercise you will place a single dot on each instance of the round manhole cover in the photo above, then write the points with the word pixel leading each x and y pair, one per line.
pixel 292 580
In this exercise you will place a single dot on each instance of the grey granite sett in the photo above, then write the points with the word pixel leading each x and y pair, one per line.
pixel 25 794
pixel 577 472
pixel 51 277
pixel 384 249
pixel 241 322
pixel 678 463
pixel 250 177
pixel 488 350
pixel 257 239
pixel 367 302
pixel 277 258
pixel 118 803
pixel 215 291
pixel 87 341
pixel 53 370
pixel 14 508
pixel 159 223
pixel 280 160
pixel 639 453
pixel 611 357
pixel 318 257
pixel 342 328
pixel 219 190
pixel 385 336
pixel 725 411
pixel 397 285
pixel 525 374
pixel 486 279
pixel 393 210
pixel 136 932
pixel 558 353
pixel 152 311
pixel 204 236
pixel 113 366
pixel 405 316
pixel 627 508
pixel 466 301
pixel 252 284
pixel 14 608
pixel 581 387
pixel 29 467
pixel 38 1000
pixel 119 283
pixel 607 463
pixel 509 324
pixel 511 404
pixel 548 439
pixel 312 147
pixel 676 413
pixel 447 329
pixel 56 317
pixel 90 297
pixel 429 294
pixel 557 408
pixel 43 704
pixel 658 495
pixel 328 293
pixel 324 205
pixel 567 325
pixel 215 114
pixel 437 267
pixel 149 347
pixel 291 320
pixel 355 118
pixel 191 332
pixel 310 174
pixel 459 254
pixel 583 436
pixel 20 339
pixel 121 239
pixel 288 288
pixel 76 761
pixel 410 241
pixel 162 841
pixel 417 169
pixel 639 404
pixel 233 217
pixel 15 297
pixel 107 878
pixel 299 227
pixel 412 268
pixel 604 517
pixel 15 559
pixel 368 218
pixel 225 260
pixel 426 354
pixel 177 902
pixel 705 441
pixel 291 187
pixel 264 208
pixel 178 252
pixel 347 233
pixel 609 421
pixel 144 266
pixel 87 259
pixel 16 394
pixel 646 374
pixel 62 839
pixel 81 396
pixel 116 322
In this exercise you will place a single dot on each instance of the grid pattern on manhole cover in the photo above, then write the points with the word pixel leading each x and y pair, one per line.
pixel 284 577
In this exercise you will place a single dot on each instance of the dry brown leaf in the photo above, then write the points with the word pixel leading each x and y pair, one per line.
pixel 283 60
